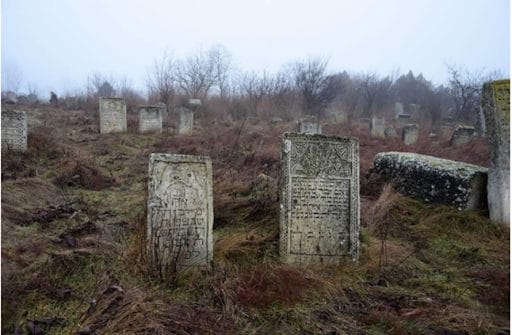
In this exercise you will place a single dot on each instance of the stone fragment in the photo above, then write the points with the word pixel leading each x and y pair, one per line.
pixel 309 127
pixel 410 134
pixel 150 119
pixel 319 195
pixel 14 131
pixel 462 135
pixel 390 132
pixel 433 179
pixel 496 108
pixel 180 213
pixel 112 115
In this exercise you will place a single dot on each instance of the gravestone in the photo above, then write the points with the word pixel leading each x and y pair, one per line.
pixel 378 127
pixel 180 213
pixel 309 127
pixel 14 131
pixel 194 102
pixel 163 107
pixel 319 194
pixel 150 119
pixel 462 135
pixel 186 121
pixel 399 109
pixel 112 115
pixel 410 134
pixel 496 106
pixel 390 132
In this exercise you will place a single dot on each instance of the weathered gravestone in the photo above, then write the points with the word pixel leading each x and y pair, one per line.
pixel 309 127
pixel 180 213
pixel 150 119
pixel 378 127
pixel 433 179
pixel 390 132
pixel 112 115
pixel 194 102
pixel 14 131
pixel 319 215
pixel 410 134
pixel 496 106
pixel 462 135
pixel 446 131
pixel 163 107
pixel 186 121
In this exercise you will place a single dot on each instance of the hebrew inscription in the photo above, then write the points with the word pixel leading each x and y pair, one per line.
pixel 180 212
pixel 14 131
pixel 112 115
pixel 319 220
pixel 150 119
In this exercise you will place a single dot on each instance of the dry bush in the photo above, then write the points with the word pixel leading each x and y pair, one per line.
pixel 85 174
pixel 264 285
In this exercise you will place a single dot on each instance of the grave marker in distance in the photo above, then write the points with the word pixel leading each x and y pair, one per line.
pixel 14 131
pixel 112 115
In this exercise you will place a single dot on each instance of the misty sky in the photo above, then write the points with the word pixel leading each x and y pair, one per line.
pixel 56 44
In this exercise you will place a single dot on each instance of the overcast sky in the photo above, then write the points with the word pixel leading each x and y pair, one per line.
pixel 56 44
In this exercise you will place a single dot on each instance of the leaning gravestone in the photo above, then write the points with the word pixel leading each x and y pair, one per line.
pixel 410 134
pixel 112 115
pixel 186 121
pixel 309 127
pixel 150 119
pixel 180 213
pixel 14 131
pixel 496 106
pixel 462 135
pixel 433 179
pixel 378 127
pixel 319 219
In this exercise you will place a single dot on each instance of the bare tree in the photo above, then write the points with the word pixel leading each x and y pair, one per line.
pixel 220 59
pixel 196 75
pixel 12 77
pixel 376 91
pixel 315 87
pixel 161 78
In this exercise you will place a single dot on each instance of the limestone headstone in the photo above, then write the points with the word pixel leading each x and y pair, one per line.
pixel 194 102
pixel 462 135
pixel 496 106
pixel 150 119
pixel 163 107
pixel 180 213
pixel 319 216
pixel 309 127
pixel 14 131
pixel 378 127
pixel 410 134
pixel 112 115
pixel 186 121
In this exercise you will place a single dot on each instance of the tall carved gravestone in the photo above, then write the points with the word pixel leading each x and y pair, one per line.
pixel 14 131
pixel 378 127
pixel 319 219
pixel 180 213
pixel 150 119
pixel 496 106
pixel 112 115
pixel 186 121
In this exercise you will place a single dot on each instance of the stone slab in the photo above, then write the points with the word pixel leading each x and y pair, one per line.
pixel 309 127
pixel 462 135
pixel 180 213
pixel 433 179
pixel 378 127
pixel 319 199
pixel 14 131
pixel 112 115
pixel 150 119
pixel 185 121
pixel 410 133
pixel 496 108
